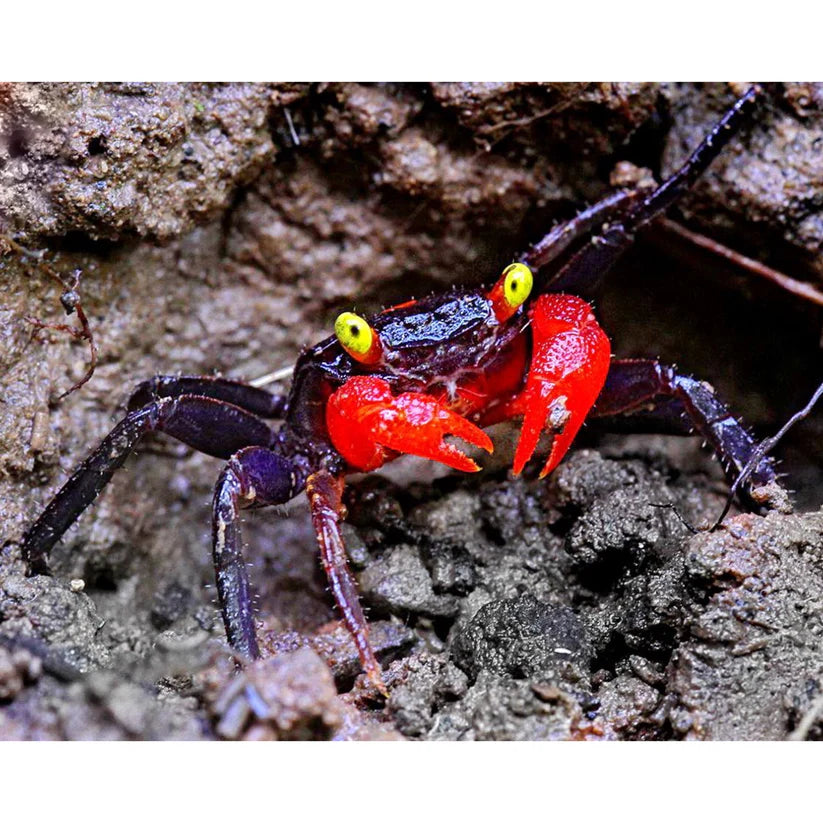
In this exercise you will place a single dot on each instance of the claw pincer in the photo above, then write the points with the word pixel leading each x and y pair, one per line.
pixel 369 425
pixel 570 361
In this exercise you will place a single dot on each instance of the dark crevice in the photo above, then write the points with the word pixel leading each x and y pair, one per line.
pixel 97 145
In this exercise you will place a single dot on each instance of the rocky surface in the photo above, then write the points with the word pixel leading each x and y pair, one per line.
pixel 219 229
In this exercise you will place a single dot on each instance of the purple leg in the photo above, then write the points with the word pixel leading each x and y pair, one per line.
pixel 210 426
pixel 645 395
pixel 589 264
pixel 254 477
pixel 615 206
pixel 248 398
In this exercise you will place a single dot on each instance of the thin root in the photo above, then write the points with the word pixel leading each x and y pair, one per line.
pixel 747 264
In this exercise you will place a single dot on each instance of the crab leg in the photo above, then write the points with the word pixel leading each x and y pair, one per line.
pixel 647 395
pixel 254 477
pixel 587 267
pixel 570 361
pixel 611 208
pixel 208 425
pixel 249 398
pixel 367 423
pixel 325 500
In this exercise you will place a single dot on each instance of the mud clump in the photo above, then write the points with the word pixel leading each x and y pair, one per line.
pixel 18 668
pixel 746 668
pixel 523 639
pixel 288 697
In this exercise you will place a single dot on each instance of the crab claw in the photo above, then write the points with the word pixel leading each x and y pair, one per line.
pixel 365 419
pixel 570 361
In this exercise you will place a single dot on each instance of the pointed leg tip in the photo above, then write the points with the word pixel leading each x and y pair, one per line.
pixel 375 677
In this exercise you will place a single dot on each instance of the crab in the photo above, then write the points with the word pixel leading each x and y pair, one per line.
pixel 401 382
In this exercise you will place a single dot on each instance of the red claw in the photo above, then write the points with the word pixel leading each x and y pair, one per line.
pixel 570 361
pixel 365 419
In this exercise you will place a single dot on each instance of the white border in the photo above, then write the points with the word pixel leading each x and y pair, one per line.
pixel 418 40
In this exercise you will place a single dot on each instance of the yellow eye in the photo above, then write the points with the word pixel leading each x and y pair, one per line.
pixel 357 338
pixel 517 284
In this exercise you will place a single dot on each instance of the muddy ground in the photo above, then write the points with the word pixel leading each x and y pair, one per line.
pixel 219 229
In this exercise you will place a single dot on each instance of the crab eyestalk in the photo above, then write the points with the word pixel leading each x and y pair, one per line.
pixel 511 290
pixel 358 338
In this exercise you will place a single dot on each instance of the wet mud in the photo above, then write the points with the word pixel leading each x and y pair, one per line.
pixel 219 229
